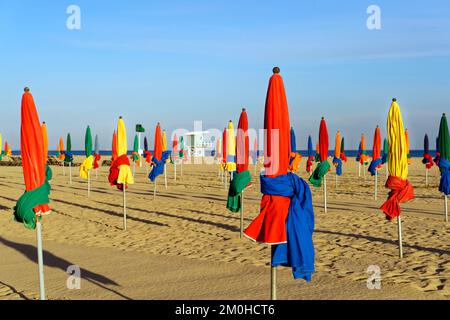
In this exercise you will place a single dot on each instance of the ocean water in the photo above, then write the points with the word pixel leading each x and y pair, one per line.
pixel 349 153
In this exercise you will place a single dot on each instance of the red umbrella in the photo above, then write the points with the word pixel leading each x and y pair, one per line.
pixel 224 147
pixel 114 146
pixel 323 140
pixel 243 143
pixel 158 143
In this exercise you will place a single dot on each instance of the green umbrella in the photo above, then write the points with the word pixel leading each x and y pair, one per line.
pixel 68 156
pixel 444 160
pixel 444 139
pixel 136 148
pixel 181 148
pixel 88 142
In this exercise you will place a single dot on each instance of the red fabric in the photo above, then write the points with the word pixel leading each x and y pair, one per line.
pixel 323 141
pixel 148 156
pixel 32 148
pixel 175 147
pixel 242 143
pixel 270 225
pixel 430 161
pixel 343 157
pixel 114 146
pixel 158 143
pixel 97 158
pixel 224 146
pixel 309 164
pixel 401 191
pixel 114 170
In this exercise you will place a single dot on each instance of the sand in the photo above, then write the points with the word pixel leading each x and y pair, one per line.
pixel 185 244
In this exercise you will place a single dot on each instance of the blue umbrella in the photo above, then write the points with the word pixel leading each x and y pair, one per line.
pixel 310 147
pixel 293 142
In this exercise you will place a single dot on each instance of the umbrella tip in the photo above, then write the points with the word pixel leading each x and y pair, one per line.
pixel 276 70
pixel 443 114
pixel 394 99
pixel 323 118
pixel 243 109
pixel 120 117
pixel 26 89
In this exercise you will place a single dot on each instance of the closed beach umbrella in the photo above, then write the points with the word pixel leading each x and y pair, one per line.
pixel 164 140
pixel 175 147
pixel 444 161
pixel 436 158
pixel 343 156
pixel 286 219
pixel 401 188
pixel 364 157
pixel 231 148
pixel 323 167
pixel 159 157
pixel 45 139
pixel 88 142
pixel 384 158
pixel 224 149
pixel 295 157
pixel 34 202
pixel 61 149
pixel 147 153
pixel 96 155
pixel 158 146
pixel 293 141
pixel 427 158
pixel 69 156
pixel 242 179
pixel 337 162
pixel 309 162
pixel 135 154
pixel 88 163
pixel 376 162
pixel 114 154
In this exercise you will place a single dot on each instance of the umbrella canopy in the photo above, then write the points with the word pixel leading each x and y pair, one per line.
pixel 135 154
pixel 427 159
pixel 36 174
pixel 68 157
pixel 401 189
pixel 96 145
pixel 384 158
pixel 243 143
pixel 45 139
pixel 343 156
pixel 444 158
pixel 323 167
pixel 310 155
pixel 158 143
pixel 293 141
pixel 145 144
pixel 364 157
pixel 88 142
pixel 426 145
pixel 407 146
pixel 337 145
pixel 182 155
pixel 279 222
pixel 231 148
pixel 164 141
pixel 114 154
pixel 120 173
pixel 323 140
pixel 376 152
pixel 224 147
pixel 122 144
pixel 175 147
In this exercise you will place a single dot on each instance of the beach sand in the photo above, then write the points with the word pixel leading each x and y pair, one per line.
pixel 185 244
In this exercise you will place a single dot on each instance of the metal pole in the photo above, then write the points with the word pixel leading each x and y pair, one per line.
pixel 359 169
pixel 64 169
pixel 124 207
pixel 376 184
pixel 242 215
pixel 165 176
pixel 446 208
pixel 400 242
pixel 89 184
pixel 325 193
pixel 426 177
pixel 40 259
pixel 70 173
pixel 273 276
pixel 175 171
pixel 154 190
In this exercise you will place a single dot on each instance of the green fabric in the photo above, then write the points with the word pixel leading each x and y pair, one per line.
pixel 136 148
pixel 444 139
pixel 318 174
pixel 238 184
pixel 317 158
pixel 385 147
pixel 140 128
pixel 181 153
pixel 342 145
pixel 88 142
pixel 68 159
pixel 23 211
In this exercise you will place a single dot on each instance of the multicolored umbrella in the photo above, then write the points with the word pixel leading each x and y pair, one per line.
pixel 444 161
pixel 286 219
pixel 68 159
pixel 376 153
pixel 34 202
pixel 135 154
pixel 61 154
pixel 159 157
pixel 231 149
pixel 343 156
pixel 364 158
pixel 97 156
pixel 8 151
pixel 88 162
pixel 398 183
pixel 174 157
pixel 224 149
pixel 241 180
pixel 309 162
pixel 337 162
pixel 323 167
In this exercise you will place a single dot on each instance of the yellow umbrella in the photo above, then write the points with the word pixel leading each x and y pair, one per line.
pixel 231 148
pixel 125 175
pixel 401 189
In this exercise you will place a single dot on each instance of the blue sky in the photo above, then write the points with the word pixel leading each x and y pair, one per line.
pixel 180 61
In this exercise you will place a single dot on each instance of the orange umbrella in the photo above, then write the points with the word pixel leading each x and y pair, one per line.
pixel 158 143
pixel 114 146
pixel 45 138
pixel 61 149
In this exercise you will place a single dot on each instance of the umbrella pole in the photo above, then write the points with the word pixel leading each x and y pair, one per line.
pixel 242 215
pixel 181 167
pixel 175 171
pixel 336 181
pixel 359 169
pixel 400 242
pixel 426 177
pixel 446 208
pixel 325 193
pixel 154 190
pixel 165 176
pixel 134 168
pixel 124 207
pixel 64 169
pixel 273 276
pixel 70 173
pixel 376 184
pixel 89 184
pixel 40 258
pixel 226 180
pixel 364 170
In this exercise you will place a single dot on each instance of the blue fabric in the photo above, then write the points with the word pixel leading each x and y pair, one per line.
pixel 338 163
pixel 310 147
pixel 358 157
pixel 374 164
pixel 231 159
pixel 68 157
pixel 293 142
pixel 298 252
pixel 444 185
pixel 436 158
pixel 384 157
pixel 158 166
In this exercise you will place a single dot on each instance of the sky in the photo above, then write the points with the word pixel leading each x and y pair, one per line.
pixel 175 62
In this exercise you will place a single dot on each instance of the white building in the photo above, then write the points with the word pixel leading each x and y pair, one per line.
pixel 197 143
